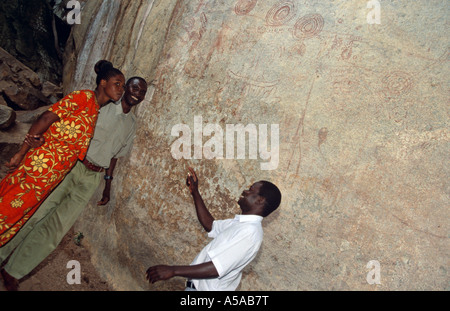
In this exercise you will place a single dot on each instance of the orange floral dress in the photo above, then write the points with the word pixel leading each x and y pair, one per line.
pixel 43 168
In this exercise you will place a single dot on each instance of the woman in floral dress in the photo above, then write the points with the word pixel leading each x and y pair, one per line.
pixel 66 129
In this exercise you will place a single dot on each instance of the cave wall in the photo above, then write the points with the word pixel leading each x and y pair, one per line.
pixel 362 111
pixel 27 33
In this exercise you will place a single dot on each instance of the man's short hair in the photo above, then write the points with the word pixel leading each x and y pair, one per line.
pixel 132 78
pixel 272 196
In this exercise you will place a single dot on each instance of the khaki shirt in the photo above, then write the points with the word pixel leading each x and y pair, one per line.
pixel 113 136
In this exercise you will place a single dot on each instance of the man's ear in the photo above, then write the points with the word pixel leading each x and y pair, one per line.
pixel 260 201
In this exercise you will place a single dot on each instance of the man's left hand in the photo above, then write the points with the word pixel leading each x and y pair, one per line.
pixel 103 201
pixel 159 273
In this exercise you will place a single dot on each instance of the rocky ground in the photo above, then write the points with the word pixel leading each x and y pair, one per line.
pixel 51 274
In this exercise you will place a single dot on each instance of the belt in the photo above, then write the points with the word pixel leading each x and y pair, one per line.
pixel 190 284
pixel 92 166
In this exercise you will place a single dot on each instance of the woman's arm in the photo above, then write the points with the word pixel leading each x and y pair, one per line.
pixel 39 127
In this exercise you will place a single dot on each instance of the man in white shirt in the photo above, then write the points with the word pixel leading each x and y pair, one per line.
pixel 218 267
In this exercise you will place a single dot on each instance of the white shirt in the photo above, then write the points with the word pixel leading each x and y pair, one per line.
pixel 236 243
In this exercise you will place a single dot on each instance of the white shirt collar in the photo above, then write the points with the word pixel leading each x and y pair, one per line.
pixel 248 218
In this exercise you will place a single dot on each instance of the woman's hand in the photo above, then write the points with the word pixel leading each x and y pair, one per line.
pixel 15 161
pixel 34 141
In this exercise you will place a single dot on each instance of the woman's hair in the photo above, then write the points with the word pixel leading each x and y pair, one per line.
pixel 105 70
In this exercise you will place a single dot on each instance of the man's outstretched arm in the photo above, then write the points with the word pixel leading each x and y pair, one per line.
pixel 203 215
pixel 205 270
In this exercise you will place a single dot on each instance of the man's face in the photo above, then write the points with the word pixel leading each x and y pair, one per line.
pixel 135 92
pixel 248 198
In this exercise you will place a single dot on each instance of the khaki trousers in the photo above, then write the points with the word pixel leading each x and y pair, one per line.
pixel 53 219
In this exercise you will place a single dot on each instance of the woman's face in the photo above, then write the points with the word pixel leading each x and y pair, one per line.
pixel 114 87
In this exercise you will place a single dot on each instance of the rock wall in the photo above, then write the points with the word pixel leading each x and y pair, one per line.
pixel 23 97
pixel 28 32
pixel 362 112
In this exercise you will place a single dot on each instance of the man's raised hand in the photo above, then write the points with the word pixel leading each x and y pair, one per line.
pixel 192 180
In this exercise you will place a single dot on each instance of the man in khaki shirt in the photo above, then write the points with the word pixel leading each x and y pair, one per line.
pixel 113 138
